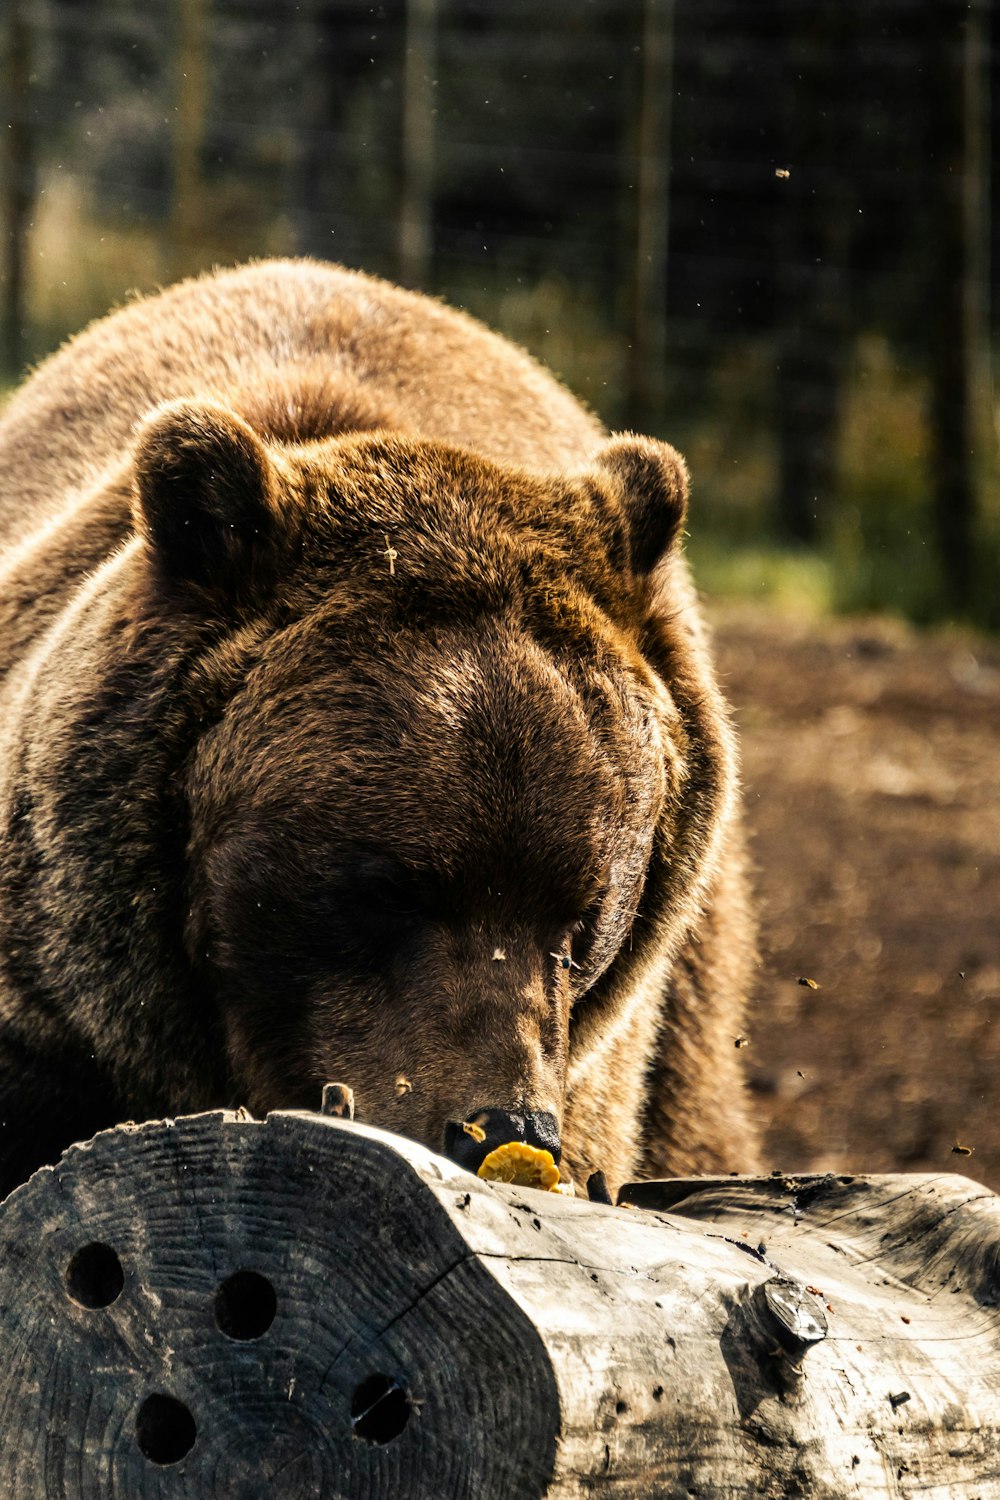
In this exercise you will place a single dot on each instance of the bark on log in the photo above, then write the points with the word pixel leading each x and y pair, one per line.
pixel 307 1307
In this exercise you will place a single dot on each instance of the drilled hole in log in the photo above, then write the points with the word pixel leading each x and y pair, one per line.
pixel 94 1277
pixel 380 1409
pixel 165 1429
pixel 245 1305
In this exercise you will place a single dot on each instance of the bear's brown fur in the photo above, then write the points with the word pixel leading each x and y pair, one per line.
pixel 356 721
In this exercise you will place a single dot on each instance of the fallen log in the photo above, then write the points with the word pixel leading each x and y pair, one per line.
pixel 304 1307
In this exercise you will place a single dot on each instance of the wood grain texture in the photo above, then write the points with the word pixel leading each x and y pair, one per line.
pixel 431 1336
pixel 371 1278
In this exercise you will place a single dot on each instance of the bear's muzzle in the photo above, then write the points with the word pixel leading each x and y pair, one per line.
pixel 469 1142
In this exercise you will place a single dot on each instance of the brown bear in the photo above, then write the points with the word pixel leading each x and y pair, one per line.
pixel 357 722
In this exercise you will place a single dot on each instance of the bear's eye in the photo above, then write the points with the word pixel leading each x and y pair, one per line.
pixel 581 936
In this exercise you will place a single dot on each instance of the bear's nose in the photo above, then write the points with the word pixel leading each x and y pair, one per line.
pixel 469 1142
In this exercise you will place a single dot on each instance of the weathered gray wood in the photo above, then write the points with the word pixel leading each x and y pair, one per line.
pixel 321 1309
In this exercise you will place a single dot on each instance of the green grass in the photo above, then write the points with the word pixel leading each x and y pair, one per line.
pixel 878 548
pixel 788 579
pixel 889 572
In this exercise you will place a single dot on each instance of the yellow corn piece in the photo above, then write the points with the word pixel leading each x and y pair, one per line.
pixel 523 1165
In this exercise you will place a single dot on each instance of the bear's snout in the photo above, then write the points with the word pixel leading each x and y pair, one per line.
pixel 469 1142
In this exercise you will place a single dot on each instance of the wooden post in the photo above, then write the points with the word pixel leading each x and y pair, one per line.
pixel 17 178
pixel 304 1306
pixel 416 209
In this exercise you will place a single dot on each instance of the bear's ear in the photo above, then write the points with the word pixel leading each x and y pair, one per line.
pixel 208 500
pixel 650 482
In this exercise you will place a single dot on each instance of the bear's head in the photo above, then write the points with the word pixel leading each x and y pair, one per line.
pixel 448 796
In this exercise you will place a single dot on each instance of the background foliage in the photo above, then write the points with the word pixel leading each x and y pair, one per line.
pixel 761 229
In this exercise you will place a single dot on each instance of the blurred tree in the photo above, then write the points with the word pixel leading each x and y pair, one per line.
pixel 958 99
pixel 341 80
pixel 416 209
pixel 187 228
pixel 529 143
pixel 312 233
pixel 647 331
pixel 18 181
pixel 814 229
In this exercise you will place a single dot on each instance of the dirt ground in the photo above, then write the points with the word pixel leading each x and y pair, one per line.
pixel 873 797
